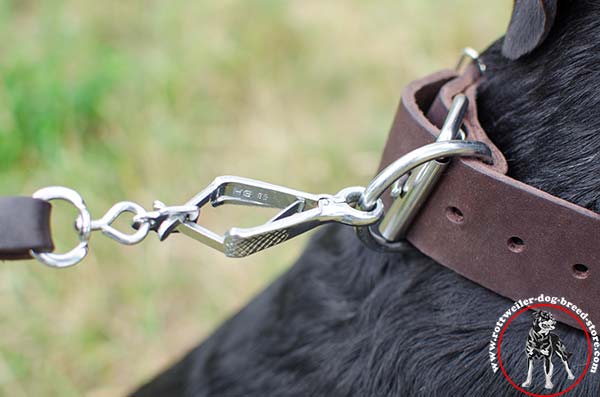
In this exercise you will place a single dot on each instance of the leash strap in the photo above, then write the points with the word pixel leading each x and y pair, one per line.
pixel 494 230
pixel 25 226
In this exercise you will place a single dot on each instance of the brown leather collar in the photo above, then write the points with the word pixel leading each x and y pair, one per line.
pixel 476 217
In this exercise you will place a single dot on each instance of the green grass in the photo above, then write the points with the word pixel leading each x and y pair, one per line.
pixel 144 100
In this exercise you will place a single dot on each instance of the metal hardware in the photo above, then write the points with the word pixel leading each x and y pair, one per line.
pixel 104 223
pixel 373 240
pixel 471 53
pixel 355 206
pixel 143 221
pixel 426 164
pixel 299 213
pixel 80 251
pixel 415 158
pixel 411 177
pixel 421 181
pixel 163 212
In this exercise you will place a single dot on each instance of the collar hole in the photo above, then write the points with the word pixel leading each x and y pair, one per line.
pixel 580 271
pixel 515 244
pixel 455 215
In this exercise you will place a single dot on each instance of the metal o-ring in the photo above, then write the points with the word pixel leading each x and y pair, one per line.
pixel 84 228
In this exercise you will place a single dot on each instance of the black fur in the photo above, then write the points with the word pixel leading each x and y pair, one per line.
pixel 347 321
pixel 542 110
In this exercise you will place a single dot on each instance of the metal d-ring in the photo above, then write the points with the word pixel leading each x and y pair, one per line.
pixel 371 235
pixel 80 251
pixel 416 188
pixel 415 158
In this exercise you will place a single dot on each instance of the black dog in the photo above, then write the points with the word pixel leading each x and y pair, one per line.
pixel 541 345
pixel 348 321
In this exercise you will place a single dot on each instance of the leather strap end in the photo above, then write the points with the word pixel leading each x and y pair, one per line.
pixel 25 226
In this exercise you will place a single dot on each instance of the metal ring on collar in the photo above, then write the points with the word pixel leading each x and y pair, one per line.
pixel 419 156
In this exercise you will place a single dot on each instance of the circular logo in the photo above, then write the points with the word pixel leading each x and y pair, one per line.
pixel 543 346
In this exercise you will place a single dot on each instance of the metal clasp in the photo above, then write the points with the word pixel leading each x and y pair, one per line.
pixel 299 213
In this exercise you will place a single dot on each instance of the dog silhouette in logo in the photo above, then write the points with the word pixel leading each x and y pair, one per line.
pixel 542 344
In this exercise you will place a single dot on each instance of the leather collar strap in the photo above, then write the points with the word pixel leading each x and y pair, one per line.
pixel 25 226
pixel 476 216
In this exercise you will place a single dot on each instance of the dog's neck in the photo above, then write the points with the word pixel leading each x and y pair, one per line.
pixel 542 110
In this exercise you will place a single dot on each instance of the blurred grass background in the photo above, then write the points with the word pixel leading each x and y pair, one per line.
pixel 144 100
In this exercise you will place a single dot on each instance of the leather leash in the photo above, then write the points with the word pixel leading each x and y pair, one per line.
pixel 25 226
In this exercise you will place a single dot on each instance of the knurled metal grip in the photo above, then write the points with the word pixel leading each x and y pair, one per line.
pixel 299 213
